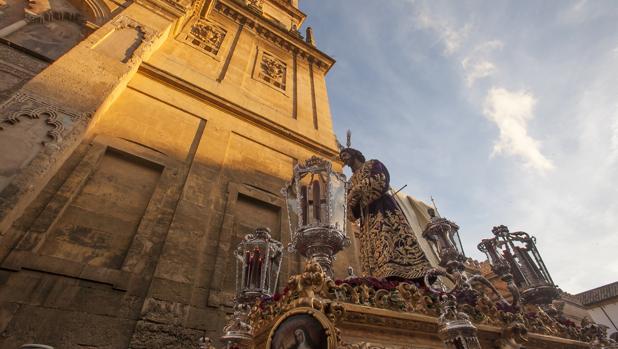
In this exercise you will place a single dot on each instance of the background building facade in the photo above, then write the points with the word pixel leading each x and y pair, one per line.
pixel 141 141
pixel 602 305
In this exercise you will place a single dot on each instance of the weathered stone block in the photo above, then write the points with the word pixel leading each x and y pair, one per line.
pixel 153 335
pixel 170 290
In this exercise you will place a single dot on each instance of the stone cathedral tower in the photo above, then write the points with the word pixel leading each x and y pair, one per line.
pixel 139 141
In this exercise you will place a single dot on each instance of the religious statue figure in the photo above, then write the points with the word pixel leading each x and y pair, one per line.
pixel 389 248
pixel 302 342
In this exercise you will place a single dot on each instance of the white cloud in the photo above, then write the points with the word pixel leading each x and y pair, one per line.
pixel 452 38
pixel 478 70
pixel 511 111
pixel 477 65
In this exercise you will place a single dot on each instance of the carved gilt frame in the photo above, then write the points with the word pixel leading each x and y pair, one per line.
pixel 329 327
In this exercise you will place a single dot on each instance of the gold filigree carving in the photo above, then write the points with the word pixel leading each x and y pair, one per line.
pixel 313 290
pixel 515 334
pixel 272 70
pixel 388 244
pixel 206 36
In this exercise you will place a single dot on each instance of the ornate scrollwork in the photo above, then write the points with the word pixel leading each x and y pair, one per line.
pixel 315 290
pixel 206 36
pixel 272 70
pixel 23 105
pixel 515 334
pixel 596 335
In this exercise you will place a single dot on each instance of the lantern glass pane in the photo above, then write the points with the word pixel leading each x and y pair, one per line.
pixel 240 267
pixel 293 205
pixel 337 200
pixel 458 245
pixel 312 197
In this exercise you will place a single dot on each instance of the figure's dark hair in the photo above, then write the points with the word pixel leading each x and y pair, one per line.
pixel 354 153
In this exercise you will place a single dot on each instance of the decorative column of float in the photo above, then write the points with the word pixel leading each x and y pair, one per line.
pixel 518 251
pixel 316 201
pixel 258 262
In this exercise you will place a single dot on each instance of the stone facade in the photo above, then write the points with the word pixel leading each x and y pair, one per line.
pixel 137 155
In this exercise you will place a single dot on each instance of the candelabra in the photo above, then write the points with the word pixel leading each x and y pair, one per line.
pixel 316 200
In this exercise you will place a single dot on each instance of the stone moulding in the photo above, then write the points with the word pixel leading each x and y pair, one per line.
pixel 26 105
pixel 168 9
pixel 403 309
pixel 281 38
pixel 146 36
pixel 287 6
pixel 255 5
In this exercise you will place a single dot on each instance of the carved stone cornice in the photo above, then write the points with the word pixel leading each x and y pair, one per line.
pixel 291 10
pixel 276 35
pixel 169 9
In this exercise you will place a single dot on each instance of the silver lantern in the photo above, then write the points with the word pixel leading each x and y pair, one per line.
pixel 500 266
pixel 316 200
pixel 455 328
pixel 519 251
pixel 258 262
pixel 443 235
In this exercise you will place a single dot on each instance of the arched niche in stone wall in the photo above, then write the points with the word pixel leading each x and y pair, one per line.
pixel 121 43
pixel 94 11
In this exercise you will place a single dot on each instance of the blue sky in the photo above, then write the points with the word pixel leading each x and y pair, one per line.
pixel 505 111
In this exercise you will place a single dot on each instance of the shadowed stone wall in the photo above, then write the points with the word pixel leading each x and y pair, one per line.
pixel 138 163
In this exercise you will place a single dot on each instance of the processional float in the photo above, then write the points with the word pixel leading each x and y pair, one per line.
pixel 314 310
